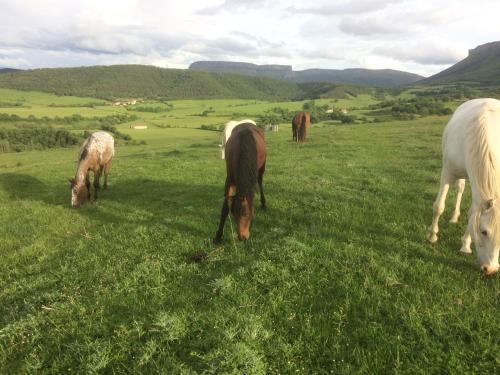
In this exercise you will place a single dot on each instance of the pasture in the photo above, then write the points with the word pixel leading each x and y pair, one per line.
pixel 337 276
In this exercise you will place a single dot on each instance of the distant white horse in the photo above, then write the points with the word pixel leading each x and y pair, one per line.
pixel 471 149
pixel 228 129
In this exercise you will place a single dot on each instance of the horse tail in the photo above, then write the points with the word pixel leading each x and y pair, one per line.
pixel 302 127
pixel 246 175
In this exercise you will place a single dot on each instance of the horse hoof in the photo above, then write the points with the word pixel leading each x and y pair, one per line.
pixel 454 219
pixel 217 240
pixel 432 237
pixel 465 250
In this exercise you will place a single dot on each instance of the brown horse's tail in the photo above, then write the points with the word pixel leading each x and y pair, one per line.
pixel 302 127
pixel 246 175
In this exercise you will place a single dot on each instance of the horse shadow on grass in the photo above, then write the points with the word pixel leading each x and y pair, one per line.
pixel 186 208
pixel 20 186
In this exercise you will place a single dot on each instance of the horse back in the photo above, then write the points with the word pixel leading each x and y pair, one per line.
pixel 99 148
pixel 234 145
pixel 473 123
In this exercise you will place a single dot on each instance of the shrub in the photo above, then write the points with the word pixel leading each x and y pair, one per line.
pixel 35 138
pixel 210 127
pixel 406 109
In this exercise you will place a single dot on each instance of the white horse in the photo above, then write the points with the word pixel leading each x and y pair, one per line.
pixel 471 149
pixel 226 133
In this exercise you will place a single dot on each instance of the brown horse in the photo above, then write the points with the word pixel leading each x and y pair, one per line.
pixel 245 166
pixel 300 125
pixel 95 155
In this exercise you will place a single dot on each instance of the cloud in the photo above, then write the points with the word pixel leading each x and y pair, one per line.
pixel 302 33
pixel 399 20
pixel 369 26
pixel 426 54
pixel 235 45
pixel 8 62
pixel 233 6
pixel 344 7
pixel 96 39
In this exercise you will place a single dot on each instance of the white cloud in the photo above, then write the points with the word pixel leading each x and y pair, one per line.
pixel 233 6
pixel 419 36
pixel 369 27
pixel 424 53
pixel 342 7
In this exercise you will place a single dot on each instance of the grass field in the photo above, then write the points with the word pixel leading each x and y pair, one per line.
pixel 336 278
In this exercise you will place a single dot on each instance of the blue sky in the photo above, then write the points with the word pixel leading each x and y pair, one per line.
pixel 418 36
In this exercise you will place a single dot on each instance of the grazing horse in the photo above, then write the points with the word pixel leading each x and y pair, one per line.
pixel 226 133
pixel 471 149
pixel 95 155
pixel 245 166
pixel 300 125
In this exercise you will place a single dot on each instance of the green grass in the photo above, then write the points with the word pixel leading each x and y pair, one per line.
pixel 185 113
pixel 336 278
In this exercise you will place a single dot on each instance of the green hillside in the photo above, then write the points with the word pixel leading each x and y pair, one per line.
pixel 481 66
pixel 125 81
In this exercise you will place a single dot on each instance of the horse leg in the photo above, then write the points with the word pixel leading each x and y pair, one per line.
pixel 262 197
pixel 223 145
pixel 460 191
pixel 223 215
pixel 466 241
pixel 439 207
pixel 97 175
pixel 87 184
pixel 107 168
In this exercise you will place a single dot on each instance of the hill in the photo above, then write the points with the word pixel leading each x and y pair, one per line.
pixel 123 81
pixel 8 70
pixel 369 77
pixel 482 66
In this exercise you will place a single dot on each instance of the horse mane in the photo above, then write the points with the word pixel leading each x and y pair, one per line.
pixel 483 158
pixel 246 174
pixel 84 154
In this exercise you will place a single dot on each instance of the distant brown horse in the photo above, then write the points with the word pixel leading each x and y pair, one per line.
pixel 245 166
pixel 300 125
pixel 95 155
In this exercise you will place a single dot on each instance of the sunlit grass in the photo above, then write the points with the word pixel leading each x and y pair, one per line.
pixel 336 278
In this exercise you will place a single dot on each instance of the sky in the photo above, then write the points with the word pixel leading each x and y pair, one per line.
pixel 419 36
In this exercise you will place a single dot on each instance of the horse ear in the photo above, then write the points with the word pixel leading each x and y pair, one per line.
pixel 488 204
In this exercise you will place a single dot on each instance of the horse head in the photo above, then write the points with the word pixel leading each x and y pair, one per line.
pixel 486 234
pixel 242 211
pixel 79 192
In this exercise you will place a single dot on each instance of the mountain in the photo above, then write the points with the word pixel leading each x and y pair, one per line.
pixel 141 81
pixel 369 77
pixel 8 70
pixel 482 66
pixel 247 69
